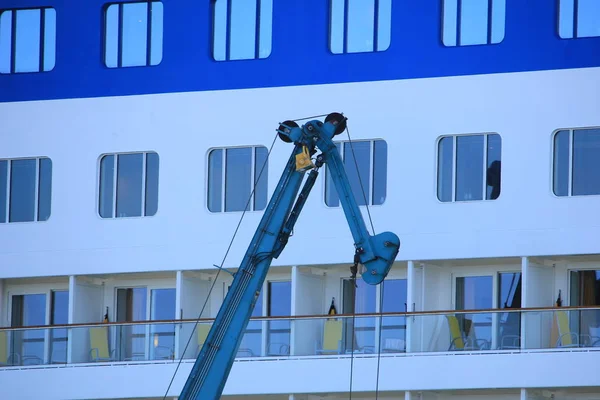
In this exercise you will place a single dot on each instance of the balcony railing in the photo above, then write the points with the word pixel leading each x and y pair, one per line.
pixel 519 330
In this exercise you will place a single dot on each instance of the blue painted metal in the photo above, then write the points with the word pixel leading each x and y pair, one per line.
pixel 300 28
pixel 211 369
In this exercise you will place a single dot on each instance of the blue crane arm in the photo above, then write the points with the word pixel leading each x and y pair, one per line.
pixel 376 253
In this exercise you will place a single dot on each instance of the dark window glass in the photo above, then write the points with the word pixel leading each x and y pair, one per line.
pixel 357 155
pixel 561 163
pixel 586 162
pixel 215 182
pixel 107 183
pixel 45 189
pixel 379 172
pixel 129 185
pixel 279 305
pixel 493 175
pixel 445 168
pixel 3 189
pixel 22 190
pixel 469 171
pixel 163 335
pixel 136 185
pixel 151 184
pixel 370 181
pixel 243 179
pixel 261 172
pixel 238 179
pixel 59 316
pixel 576 162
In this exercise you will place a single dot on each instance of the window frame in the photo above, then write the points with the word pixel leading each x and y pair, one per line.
pixel 370 190
pixel 114 215
pixel 36 213
pixel 454 171
pixel 120 33
pixel 259 21
pixel 254 168
pixel 43 34
pixel 574 23
pixel 457 37
pixel 378 31
pixel 571 149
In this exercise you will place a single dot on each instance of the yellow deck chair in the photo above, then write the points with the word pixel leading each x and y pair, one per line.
pixel 566 338
pixel 457 341
pixel 202 333
pixel 7 358
pixel 332 338
pixel 99 344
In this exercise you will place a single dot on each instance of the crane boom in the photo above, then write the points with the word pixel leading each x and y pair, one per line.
pixel 375 253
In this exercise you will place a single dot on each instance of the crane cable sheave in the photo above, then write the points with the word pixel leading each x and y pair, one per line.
pixel 376 253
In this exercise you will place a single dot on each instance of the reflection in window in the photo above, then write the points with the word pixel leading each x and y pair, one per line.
pixel 468 22
pixel 585 292
pixel 279 304
pixel 128 185
pixel 364 27
pixel 59 315
pixel 475 293
pixel 361 301
pixel 25 189
pixel 469 167
pixel 393 329
pixel 133 34
pixel 371 158
pixel 576 162
pixel 23 45
pixel 509 296
pixel 578 18
pixel 233 174
pixel 131 339
pixel 28 344
pixel 242 29
pixel 162 308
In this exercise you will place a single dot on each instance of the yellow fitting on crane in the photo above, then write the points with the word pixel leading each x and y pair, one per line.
pixel 303 161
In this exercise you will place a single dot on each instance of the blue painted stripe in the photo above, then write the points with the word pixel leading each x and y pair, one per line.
pixel 300 54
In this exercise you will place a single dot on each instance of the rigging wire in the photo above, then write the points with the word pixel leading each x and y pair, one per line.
pixel 379 340
pixel 354 272
pixel 227 252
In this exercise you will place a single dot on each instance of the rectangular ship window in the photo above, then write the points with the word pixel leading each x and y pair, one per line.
pixel 358 26
pixel 578 18
pixel 128 185
pixel 133 34
pixel 472 22
pixel 576 162
pixel 242 29
pixel 469 167
pixel 25 189
pixel 371 158
pixel 27 40
pixel 233 174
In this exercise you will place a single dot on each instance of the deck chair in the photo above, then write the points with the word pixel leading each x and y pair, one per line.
pixel 7 359
pixel 202 333
pixel 99 345
pixel 332 338
pixel 461 341
pixel 567 338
